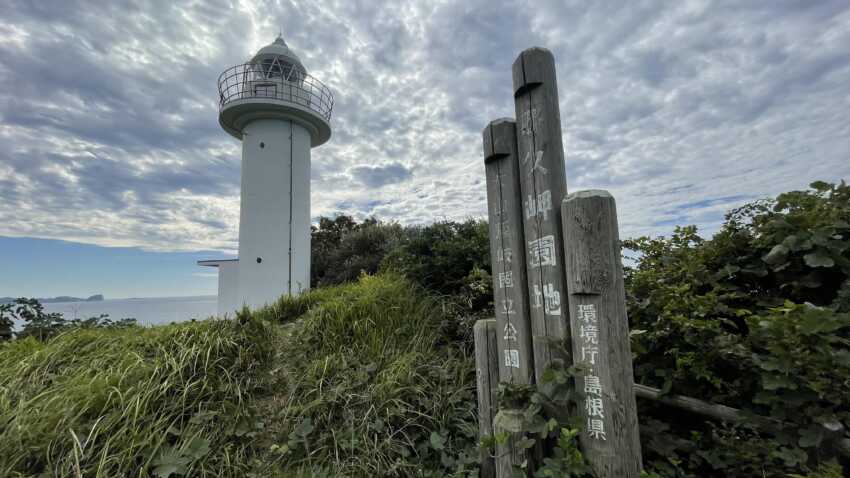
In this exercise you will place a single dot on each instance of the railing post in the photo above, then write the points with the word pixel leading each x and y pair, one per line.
pixel 543 184
pixel 600 334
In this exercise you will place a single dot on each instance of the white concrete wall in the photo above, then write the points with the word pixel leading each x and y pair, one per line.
pixel 275 194
pixel 301 216
pixel 228 290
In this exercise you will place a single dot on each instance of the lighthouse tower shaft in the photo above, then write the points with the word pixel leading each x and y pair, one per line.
pixel 279 112
pixel 274 222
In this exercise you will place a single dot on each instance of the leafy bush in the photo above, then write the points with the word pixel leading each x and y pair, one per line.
pixel 441 256
pixel 43 325
pixel 538 416
pixel 325 241
pixel 363 389
pixel 449 258
pixel 163 401
pixel 357 251
pixel 754 318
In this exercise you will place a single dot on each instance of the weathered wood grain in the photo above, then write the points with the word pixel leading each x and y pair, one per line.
pixel 600 335
pixel 512 460
pixel 507 252
pixel 543 185
pixel 487 381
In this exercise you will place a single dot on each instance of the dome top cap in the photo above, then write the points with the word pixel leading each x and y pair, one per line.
pixel 278 49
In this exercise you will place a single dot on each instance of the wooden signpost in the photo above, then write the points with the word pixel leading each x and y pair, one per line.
pixel 557 282
pixel 507 254
pixel 543 185
pixel 600 334
pixel 510 295
pixel 558 279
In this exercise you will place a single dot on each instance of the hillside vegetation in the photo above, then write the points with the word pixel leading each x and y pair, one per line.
pixel 371 373
pixel 368 382
pixel 133 401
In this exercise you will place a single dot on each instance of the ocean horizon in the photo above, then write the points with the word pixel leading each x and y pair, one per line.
pixel 146 310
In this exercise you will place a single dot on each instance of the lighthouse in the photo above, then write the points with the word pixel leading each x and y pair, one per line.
pixel 279 112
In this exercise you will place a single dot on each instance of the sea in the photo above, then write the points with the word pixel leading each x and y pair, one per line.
pixel 146 311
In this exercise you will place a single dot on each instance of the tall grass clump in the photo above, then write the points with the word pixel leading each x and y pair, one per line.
pixel 367 386
pixel 143 402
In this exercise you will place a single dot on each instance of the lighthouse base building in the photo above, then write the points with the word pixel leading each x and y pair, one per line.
pixel 279 112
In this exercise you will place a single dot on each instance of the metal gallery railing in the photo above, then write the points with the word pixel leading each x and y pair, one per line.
pixel 253 81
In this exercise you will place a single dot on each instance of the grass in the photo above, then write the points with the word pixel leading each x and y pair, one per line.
pixel 132 402
pixel 366 386
pixel 354 380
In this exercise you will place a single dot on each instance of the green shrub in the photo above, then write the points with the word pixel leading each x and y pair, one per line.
pixel 441 256
pixel 359 251
pixel 325 238
pixel 42 325
pixel 342 248
pixel 754 318
pixel 449 258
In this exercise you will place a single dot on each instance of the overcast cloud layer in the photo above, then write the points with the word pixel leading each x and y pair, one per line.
pixel 683 109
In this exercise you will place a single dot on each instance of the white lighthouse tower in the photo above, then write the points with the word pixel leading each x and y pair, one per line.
pixel 279 112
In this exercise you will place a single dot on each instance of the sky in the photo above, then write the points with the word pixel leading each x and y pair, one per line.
pixel 115 176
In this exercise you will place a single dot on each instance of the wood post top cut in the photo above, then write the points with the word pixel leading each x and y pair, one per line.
pixel 499 138
pixel 482 324
pixel 532 67
pixel 588 193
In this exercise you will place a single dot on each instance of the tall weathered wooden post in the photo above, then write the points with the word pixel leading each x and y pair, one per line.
pixel 543 184
pixel 507 252
pixel 600 334
pixel 510 296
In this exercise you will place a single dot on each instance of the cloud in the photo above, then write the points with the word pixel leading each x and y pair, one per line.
pixel 109 132
pixel 379 176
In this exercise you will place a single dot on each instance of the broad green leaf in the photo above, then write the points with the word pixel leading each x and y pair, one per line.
pixel 198 448
pixel 509 421
pixel 776 255
pixel 170 462
pixel 797 243
pixel 304 427
pixel 526 443
pixel 437 441
pixel 810 436
pixel 811 281
pixel 818 259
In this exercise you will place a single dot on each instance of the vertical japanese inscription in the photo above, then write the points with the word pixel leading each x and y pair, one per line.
pixel 505 210
pixel 594 402
pixel 543 184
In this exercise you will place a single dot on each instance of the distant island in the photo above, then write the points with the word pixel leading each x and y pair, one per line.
pixel 61 298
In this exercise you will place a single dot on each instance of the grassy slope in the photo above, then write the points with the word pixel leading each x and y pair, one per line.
pixel 345 381
pixel 131 402
pixel 364 386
